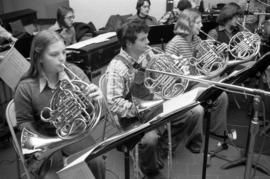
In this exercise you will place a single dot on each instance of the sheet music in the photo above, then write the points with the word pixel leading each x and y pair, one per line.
pixel 178 102
pixel 12 67
pixel 97 39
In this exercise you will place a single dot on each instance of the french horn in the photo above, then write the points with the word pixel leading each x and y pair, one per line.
pixel 210 59
pixel 244 45
pixel 163 85
pixel 71 112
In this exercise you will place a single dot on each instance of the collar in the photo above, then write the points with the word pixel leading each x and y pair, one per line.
pixel 143 18
pixel 129 59
pixel 43 80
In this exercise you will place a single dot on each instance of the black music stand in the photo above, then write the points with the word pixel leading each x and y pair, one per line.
pixel 211 94
pixel 120 139
pixel 260 66
pixel 160 34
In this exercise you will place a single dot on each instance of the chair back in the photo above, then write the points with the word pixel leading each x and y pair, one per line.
pixel 103 86
pixel 10 115
pixel 12 122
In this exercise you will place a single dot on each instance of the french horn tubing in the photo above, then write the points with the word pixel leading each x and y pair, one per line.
pixel 163 85
pixel 244 45
pixel 71 112
pixel 210 59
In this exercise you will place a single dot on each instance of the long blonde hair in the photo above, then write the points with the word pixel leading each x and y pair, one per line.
pixel 186 21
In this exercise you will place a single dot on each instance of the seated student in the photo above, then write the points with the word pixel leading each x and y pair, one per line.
pixel 64 24
pixel 143 7
pixel 122 86
pixel 227 20
pixel 184 43
pixel 171 17
pixel 35 91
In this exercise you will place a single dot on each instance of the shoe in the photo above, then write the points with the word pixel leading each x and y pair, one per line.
pixel 194 148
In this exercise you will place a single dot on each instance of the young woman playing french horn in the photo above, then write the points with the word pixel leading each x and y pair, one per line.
pixel 35 91
pixel 184 43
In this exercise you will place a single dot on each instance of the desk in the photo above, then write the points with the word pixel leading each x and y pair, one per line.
pixel 97 55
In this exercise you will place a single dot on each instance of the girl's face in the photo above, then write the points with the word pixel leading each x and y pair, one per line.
pixel 197 26
pixel 144 11
pixel 69 18
pixel 54 57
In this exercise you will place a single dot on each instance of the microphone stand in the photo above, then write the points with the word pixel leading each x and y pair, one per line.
pixel 254 127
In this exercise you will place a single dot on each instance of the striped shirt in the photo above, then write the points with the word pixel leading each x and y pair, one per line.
pixel 179 46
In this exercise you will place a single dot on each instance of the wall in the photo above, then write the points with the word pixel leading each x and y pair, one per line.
pixel 99 11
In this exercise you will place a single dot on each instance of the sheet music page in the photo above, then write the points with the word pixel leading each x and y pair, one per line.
pixel 97 39
pixel 180 101
pixel 12 67
pixel 107 35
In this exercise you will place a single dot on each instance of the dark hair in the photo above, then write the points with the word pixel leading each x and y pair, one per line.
pixel 140 4
pixel 186 21
pixel 129 30
pixel 39 44
pixel 61 13
pixel 228 12
pixel 184 4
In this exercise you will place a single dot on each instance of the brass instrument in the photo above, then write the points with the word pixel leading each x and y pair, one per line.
pixel 211 58
pixel 72 114
pixel 163 85
pixel 244 45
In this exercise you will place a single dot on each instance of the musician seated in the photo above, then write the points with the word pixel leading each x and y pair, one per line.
pixel 171 17
pixel 184 43
pixel 35 91
pixel 64 24
pixel 228 23
pixel 124 82
pixel 143 7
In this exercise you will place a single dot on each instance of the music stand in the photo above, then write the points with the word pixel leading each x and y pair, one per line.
pixel 120 139
pixel 212 93
pixel 260 66
pixel 160 34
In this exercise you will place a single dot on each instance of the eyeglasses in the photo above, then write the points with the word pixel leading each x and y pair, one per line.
pixel 70 17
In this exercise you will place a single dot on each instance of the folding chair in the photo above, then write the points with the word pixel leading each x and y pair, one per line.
pixel 109 118
pixel 12 123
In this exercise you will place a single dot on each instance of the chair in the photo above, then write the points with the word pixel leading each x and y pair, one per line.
pixel 109 118
pixel 12 123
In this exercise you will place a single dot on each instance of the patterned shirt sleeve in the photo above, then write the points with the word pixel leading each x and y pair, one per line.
pixel 116 91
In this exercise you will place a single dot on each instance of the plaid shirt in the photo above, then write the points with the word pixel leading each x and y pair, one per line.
pixel 120 78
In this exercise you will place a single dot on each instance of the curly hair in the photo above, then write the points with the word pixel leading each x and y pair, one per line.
pixel 128 31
